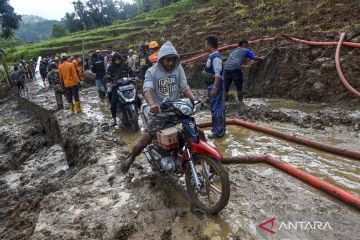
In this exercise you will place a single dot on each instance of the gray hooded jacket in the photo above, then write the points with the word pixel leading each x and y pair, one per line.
pixel 169 85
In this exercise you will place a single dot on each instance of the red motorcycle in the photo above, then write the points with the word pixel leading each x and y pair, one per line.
pixel 178 150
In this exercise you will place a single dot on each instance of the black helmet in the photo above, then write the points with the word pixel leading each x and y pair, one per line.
pixel 116 55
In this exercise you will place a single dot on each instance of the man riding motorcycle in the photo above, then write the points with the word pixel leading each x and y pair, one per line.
pixel 115 71
pixel 165 80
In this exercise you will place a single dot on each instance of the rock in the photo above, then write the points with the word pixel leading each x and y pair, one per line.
pixel 318 126
pixel 357 127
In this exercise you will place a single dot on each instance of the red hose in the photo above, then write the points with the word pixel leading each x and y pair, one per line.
pixel 310 43
pixel 299 174
pixel 338 68
pixel 201 56
pixel 313 43
pixel 291 138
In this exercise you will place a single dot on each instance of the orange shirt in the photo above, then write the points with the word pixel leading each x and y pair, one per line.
pixel 79 69
pixel 153 57
pixel 76 63
pixel 68 75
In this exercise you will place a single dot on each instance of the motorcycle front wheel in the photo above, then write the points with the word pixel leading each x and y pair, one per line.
pixel 214 192
pixel 133 118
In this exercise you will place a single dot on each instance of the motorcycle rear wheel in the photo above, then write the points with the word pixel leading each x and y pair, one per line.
pixel 214 180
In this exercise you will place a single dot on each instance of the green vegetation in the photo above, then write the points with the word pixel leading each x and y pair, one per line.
pixel 5 121
pixel 101 37
pixel 35 29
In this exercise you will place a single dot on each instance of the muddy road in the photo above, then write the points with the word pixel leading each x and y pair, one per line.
pixel 60 176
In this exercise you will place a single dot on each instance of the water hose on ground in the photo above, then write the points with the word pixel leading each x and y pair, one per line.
pixel 299 174
pixel 290 137
pixel 338 67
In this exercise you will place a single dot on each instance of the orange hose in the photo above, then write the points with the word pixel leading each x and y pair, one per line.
pixel 338 68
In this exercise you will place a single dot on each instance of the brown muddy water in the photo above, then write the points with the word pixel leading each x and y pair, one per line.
pixel 99 200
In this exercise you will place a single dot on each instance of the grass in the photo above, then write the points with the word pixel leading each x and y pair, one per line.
pixel 241 10
pixel 101 37
pixel 5 121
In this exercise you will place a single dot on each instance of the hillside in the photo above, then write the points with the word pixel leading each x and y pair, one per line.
pixel 34 29
pixel 291 71
pixel 189 21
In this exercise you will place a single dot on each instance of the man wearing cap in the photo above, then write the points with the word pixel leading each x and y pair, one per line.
pixel 131 60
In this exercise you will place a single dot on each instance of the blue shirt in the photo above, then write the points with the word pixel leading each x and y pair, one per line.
pixel 237 58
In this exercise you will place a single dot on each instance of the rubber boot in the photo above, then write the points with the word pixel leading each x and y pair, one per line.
pixel 101 94
pixel 78 108
pixel 114 122
pixel 71 105
pixel 240 98
pixel 59 101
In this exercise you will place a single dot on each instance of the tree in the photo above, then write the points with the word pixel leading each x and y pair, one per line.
pixel 6 43
pixel 58 30
pixel 9 20
pixel 99 13
pixel 72 23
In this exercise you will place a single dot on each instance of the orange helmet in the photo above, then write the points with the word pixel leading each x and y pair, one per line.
pixel 153 44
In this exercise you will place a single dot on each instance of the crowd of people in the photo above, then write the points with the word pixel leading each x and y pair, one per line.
pixel 23 71
pixel 159 72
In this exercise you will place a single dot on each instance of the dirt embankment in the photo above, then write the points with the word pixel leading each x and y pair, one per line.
pixel 31 167
pixel 299 72
pixel 291 70
pixel 60 178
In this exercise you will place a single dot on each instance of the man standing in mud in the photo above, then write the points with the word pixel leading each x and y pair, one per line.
pixel 54 82
pixel 212 76
pixel 166 72
pixel 98 67
pixel 233 71
pixel 70 80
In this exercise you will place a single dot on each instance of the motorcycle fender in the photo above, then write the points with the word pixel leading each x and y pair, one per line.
pixel 204 148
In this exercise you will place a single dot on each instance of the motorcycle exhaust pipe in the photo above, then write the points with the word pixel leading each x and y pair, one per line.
pixel 155 154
